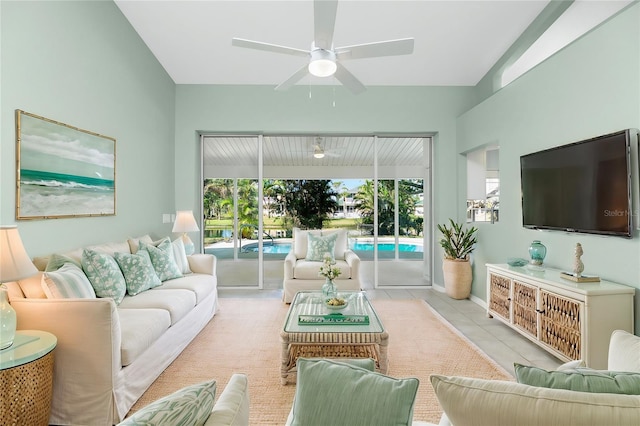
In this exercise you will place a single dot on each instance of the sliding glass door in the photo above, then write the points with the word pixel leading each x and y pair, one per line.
pixel 257 189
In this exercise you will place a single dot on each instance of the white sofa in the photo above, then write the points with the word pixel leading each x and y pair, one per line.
pixel 470 401
pixel 301 274
pixel 108 355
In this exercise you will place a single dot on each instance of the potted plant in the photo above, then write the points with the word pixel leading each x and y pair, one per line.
pixel 457 243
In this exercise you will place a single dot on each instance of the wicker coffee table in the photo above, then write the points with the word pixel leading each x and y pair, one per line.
pixel 314 330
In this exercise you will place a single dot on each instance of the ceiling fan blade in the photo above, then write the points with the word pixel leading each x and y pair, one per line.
pixel 258 45
pixel 349 80
pixel 324 18
pixel 403 46
pixel 293 79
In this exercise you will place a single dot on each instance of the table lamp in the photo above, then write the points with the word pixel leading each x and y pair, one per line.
pixel 185 222
pixel 14 265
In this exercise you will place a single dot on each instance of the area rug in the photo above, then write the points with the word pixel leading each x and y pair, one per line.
pixel 243 337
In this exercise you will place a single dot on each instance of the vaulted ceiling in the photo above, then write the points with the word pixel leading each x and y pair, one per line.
pixel 456 41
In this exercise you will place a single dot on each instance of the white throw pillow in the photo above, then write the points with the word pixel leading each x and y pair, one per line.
pixel 624 350
pixel 497 402
pixel 67 282
pixel 180 255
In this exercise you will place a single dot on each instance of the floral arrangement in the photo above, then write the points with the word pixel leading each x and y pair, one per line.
pixel 327 269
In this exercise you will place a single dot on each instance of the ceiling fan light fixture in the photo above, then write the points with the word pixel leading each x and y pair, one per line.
pixel 318 152
pixel 323 63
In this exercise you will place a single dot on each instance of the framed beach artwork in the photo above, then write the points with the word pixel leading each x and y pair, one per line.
pixel 62 171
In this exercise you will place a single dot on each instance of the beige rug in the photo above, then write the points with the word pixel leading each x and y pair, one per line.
pixel 244 337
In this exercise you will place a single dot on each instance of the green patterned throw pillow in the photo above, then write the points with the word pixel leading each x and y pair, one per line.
pixel 318 247
pixel 162 259
pixel 68 282
pixel 104 274
pixel 138 271
pixel 188 406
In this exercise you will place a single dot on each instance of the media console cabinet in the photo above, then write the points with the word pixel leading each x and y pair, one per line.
pixel 569 319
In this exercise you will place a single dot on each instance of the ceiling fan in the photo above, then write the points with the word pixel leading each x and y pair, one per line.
pixel 324 59
pixel 320 151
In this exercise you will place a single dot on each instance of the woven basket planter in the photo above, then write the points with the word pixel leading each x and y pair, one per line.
pixel 457 278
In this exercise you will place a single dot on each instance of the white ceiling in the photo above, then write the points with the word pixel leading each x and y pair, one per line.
pixel 289 156
pixel 456 42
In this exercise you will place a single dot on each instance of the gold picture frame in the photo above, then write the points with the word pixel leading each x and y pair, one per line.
pixel 62 171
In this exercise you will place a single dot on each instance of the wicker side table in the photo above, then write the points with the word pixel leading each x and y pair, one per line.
pixel 26 379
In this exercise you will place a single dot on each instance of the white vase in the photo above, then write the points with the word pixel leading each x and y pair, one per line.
pixel 7 320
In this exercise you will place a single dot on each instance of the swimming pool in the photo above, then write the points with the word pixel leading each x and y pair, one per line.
pixel 284 248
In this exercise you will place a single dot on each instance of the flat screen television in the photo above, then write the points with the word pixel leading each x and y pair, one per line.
pixel 580 187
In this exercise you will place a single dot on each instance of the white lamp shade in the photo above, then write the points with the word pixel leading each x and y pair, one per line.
pixel 185 222
pixel 15 264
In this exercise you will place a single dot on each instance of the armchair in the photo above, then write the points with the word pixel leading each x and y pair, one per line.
pixel 301 269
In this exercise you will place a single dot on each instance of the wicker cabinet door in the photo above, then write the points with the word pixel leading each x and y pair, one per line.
pixel 500 296
pixel 560 324
pixel 525 305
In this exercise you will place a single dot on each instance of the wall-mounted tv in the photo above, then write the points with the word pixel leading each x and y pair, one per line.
pixel 580 187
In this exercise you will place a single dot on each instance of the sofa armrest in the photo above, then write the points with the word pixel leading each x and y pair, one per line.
pixel 203 263
pixel 232 407
pixel 87 355
pixel 289 265
pixel 353 261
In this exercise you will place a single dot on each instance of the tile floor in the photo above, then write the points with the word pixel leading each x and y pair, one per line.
pixel 501 343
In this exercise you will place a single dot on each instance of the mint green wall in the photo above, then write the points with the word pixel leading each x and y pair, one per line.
pixel 590 88
pixel 259 109
pixel 81 63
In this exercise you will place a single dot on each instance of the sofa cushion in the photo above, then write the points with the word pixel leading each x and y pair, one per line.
pixel 580 379
pixel 104 274
pixel 32 287
pixel 134 243
pixel 232 407
pixel 310 270
pixel 336 393
pixel 57 260
pixel 180 255
pixel 106 248
pixel 319 246
pixel 140 328
pixel 177 302
pixel 496 402
pixel 624 348
pixel 201 284
pixel 191 406
pixel 162 259
pixel 68 282
pixel 138 271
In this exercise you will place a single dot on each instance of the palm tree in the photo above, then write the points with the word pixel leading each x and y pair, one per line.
pixel 408 196
pixel 309 202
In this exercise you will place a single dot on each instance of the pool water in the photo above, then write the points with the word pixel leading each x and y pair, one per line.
pixel 284 248
pixel 402 247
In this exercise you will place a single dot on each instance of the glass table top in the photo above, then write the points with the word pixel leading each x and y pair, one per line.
pixel 310 304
